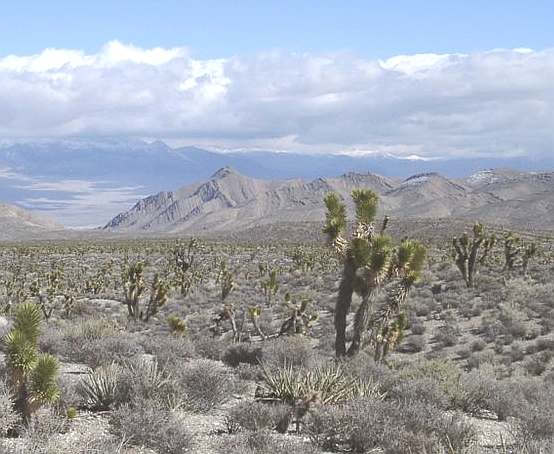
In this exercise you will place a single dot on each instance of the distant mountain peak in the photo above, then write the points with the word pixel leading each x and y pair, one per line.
pixel 224 172
pixel 423 176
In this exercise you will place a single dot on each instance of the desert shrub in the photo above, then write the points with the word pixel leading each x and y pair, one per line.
pixel 365 426
pixel 358 426
pixel 242 353
pixel 455 433
pixel 516 352
pixel 535 420
pixel 292 350
pixel 478 345
pixel 204 384
pixel 68 392
pixel 515 322
pixel 424 390
pixel 264 442
pixel 41 427
pixel 491 327
pixel 445 373
pixel 255 416
pixel 477 360
pixel 363 367
pixel 147 425
pixel 447 335
pixel 8 416
pixel 90 439
pixel 544 344
pixel 422 308
pixel 64 339
pixel 412 344
pixel 463 352
pixel 417 328
pixel 144 379
pixel 116 348
pixel 536 364
pixel 169 350
pixel 209 347
pixel 505 399
pixel 498 346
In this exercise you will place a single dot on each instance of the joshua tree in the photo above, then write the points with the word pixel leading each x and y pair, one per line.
pixel 270 286
pixel 255 312
pixel 158 297
pixel 184 263
pixel 511 251
pixel 32 375
pixel 300 320
pixel 470 254
pixel 529 252
pixel 133 284
pixel 370 260
pixel 134 287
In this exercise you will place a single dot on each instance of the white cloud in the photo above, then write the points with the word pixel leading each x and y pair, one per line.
pixel 495 102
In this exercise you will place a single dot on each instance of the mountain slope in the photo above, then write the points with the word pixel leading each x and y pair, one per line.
pixel 229 200
pixel 17 223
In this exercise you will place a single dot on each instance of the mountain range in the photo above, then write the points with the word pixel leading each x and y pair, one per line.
pixel 84 182
pixel 229 200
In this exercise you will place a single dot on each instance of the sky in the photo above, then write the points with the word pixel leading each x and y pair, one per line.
pixel 412 78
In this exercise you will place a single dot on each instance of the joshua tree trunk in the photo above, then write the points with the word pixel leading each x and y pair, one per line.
pixel 361 321
pixel 342 307
pixel 23 403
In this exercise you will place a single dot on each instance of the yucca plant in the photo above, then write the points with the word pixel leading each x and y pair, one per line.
pixel 32 375
pixel 99 388
pixel 332 385
pixel 370 261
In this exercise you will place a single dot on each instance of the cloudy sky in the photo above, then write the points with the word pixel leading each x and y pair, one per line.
pixel 452 78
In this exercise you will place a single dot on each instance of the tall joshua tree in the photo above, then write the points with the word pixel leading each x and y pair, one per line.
pixel 470 254
pixel 370 261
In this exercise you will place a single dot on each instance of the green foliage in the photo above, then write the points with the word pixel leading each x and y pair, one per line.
pixel 366 202
pixel 43 378
pixel 335 221
pixel 33 376
pixel 176 325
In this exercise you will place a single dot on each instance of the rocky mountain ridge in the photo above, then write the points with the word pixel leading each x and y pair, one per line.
pixel 229 201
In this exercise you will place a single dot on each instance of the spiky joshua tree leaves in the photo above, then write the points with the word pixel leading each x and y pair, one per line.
pixel 32 375
pixel 370 261
pixel 469 254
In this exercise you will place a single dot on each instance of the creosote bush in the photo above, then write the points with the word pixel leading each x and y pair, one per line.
pixel 145 424
pixel 204 384
pixel 255 416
